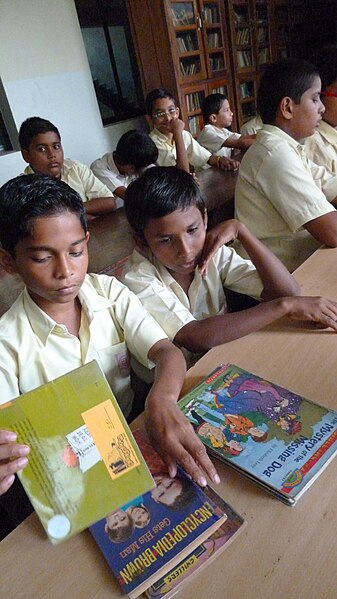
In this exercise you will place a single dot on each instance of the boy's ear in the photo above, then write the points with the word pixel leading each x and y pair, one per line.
pixel 7 262
pixel 25 155
pixel 205 218
pixel 140 243
pixel 212 118
pixel 286 108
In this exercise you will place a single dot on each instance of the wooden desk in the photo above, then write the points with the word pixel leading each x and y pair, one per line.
pixel 284 552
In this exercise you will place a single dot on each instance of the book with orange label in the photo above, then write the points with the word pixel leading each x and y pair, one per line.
pixel 83 458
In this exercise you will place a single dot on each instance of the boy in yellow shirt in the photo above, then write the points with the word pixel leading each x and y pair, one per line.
pixel 65 318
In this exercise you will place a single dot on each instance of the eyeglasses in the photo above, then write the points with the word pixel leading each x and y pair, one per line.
pixel 331 94
pixel 162 113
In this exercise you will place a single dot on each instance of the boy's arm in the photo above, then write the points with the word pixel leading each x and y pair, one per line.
pixel 324 228
pixel 226 164
pixel 172 433
pixel 177 128
pixel 241 143
pixel 12 459
pixel 98 206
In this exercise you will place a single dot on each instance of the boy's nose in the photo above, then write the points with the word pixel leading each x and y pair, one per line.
pixel 63 269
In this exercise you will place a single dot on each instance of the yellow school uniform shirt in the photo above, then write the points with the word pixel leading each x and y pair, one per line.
pixel 321 147
pixel 167 155
pixel 79 177
pixel 34 349
pixel 212 138
pixel 168 303
pixel 278 191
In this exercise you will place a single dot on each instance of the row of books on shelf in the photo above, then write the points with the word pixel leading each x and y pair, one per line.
pixel 263 56
pixel 189 68
pixel 86 468
pixel 211 14
pixel 216 63
pixel 194 100
pixel 246 90
pixel 244 58
pixel 195 124
pixel 214 39
pixel 242 36
pixel 187 42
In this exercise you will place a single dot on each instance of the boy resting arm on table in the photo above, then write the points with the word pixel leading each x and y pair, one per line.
pixel 167 213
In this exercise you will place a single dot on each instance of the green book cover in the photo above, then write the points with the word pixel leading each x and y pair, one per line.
pixel 83 461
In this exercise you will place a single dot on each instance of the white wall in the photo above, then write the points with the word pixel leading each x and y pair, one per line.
pixel 45 72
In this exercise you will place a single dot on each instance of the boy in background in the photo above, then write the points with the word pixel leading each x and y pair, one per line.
pixel 176 146
pixel 215 136
pixel 167 213
pixel 135 151
pixel 65 318
pixel 285 199
pixel 40 143
pixel 321 147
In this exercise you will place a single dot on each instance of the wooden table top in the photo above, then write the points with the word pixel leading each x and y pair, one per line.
pixel 284 551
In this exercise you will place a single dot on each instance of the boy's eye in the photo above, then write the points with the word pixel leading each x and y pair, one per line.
pixel 40 260
pixel 193 230
pixel 57 146
pixel 76 254
pixel 164 240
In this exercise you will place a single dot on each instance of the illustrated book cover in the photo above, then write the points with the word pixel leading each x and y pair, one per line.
pixel 83 459
pixel 149 536
pixel 277 438
pixel 198 559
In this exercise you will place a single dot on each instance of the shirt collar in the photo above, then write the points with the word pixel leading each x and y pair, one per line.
pixel 280 133
pixel 43 325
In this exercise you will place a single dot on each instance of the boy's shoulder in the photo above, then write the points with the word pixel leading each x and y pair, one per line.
pixel 105 162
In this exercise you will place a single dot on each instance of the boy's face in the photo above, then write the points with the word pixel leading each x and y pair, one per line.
pixel 164 111
pixel 330 104
pixel 167 489
pixel 307 115
pixel 45 154
pixel 116 520
pixel 53 261
pixel 224 117
pixel 177 239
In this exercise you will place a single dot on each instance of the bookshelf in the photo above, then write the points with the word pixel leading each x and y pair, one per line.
pixel 194 48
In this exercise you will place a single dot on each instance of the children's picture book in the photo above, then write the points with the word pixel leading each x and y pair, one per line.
pixel 172 582
pixel 83 460
pixel 148 537
pixel 277 438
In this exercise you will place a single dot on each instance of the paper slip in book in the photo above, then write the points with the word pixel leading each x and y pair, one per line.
pixel 279 439
pixel 83 459
pixel 150 536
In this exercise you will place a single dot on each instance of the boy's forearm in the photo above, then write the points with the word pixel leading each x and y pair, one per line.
pixel 98 206
pixel 182 159
pixel 276 279
pixel 202 335
pixel 170 370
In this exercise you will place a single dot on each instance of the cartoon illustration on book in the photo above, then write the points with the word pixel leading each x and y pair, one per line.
pixel 275 436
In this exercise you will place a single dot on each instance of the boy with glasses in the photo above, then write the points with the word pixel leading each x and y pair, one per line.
pixel 176 146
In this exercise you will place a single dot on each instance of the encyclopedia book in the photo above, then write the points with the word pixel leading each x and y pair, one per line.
pixel 148 537
pixel 83 459
pixel 279 439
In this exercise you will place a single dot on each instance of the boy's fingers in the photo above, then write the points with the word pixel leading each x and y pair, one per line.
pixel 6 483
pixel 13 450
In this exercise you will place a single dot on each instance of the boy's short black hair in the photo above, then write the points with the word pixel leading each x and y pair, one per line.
pixel 136 148
pixel 32 127
pixel 160 191
pixel 287 77
pixel 31 196
pixel 157 94
pixel 325 59
pixel 212 105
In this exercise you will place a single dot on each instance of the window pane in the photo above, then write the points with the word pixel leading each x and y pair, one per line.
pixel 111 57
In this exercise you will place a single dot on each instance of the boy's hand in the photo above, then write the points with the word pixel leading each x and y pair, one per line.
pixel 221 234
pixel 177 126
pixel 12 459
pixel 173 437
pixel 315 309
pixel 228 164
